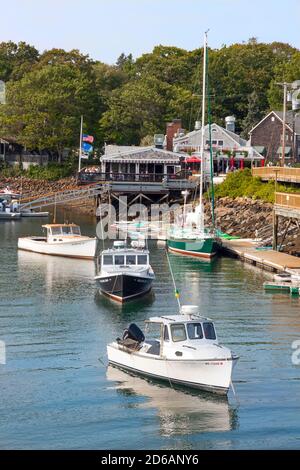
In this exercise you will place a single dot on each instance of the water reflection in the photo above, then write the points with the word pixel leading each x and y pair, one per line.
pixel 180 411
pixel 54 271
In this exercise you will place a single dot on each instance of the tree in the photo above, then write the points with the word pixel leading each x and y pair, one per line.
pixel 43 108
pixel 253 116
pixel 16 59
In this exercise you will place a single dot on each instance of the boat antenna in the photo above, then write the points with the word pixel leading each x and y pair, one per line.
pixel 54 214
pixel 176 291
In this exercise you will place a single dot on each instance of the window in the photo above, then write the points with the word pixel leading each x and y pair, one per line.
pixel 207 142
pixel 130 259
pixel 76 230
pixel 220 143
pixel 214 142
pixel 119 260
pixel 66 230
pixel 178 333
pixel 209 331
pixel 194 330
pixel 107 259
pixel 166 333
pixel 56 230
pixel 142 259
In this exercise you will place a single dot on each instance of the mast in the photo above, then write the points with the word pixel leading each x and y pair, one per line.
pixel 211 154
pixel 201 224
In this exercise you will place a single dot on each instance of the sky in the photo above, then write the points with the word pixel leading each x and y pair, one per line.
pixel 106 28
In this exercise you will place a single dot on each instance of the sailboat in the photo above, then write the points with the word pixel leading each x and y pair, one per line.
pixel 184 238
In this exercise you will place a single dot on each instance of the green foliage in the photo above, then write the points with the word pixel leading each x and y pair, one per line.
pixel 242 184
pixel 52 172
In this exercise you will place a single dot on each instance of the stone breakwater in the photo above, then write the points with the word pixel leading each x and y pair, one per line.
pixel 36 187
pixel 248 218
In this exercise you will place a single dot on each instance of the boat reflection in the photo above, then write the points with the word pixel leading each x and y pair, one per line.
pixel 179 411
pixel 55 271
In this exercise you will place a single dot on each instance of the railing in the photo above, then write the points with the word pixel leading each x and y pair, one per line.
pixel 287 200
pixel 92 177
pixel 283 173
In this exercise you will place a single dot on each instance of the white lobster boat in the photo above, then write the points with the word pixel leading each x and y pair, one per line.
pixel 187 352
pixel 61 240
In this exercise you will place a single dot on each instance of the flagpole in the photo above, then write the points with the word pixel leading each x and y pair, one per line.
pixel 80 145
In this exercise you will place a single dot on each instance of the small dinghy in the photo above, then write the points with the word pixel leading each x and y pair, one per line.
pixel 125 272
pixel 61 240
pixel 187 352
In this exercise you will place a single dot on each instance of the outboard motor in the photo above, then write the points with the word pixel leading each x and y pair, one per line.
pixel 134 332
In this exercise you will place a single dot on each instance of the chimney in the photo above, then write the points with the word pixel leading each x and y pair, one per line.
pixel 230 123
pixel 172 129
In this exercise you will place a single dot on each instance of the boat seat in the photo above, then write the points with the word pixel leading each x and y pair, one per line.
pixel 154 347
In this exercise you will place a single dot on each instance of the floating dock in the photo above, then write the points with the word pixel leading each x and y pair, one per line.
pixel 249 251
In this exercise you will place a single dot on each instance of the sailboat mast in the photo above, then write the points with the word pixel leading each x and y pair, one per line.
pixel 202 132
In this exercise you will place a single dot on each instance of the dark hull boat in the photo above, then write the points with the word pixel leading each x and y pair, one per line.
pixel 125 273
pixel 123 287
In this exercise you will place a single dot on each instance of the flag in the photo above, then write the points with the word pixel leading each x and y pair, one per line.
pixel 87 138
pixel 177 295
pixel 87 147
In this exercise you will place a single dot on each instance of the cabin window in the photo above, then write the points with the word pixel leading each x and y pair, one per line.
pixel 166 333
pixel 76 230
pixel 56 230
pixel 66 230
pixel 178 333
pixel 194 331
pixel 142 259
pixel 209 331
pixel 130 259
pixel 119 260
pixel 107 259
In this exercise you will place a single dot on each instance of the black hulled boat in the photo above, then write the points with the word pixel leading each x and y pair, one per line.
pixel 125 273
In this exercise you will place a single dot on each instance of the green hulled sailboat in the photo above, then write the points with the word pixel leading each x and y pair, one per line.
pixel 185 239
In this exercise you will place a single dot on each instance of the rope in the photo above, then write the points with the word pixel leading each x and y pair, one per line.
pixel 174 283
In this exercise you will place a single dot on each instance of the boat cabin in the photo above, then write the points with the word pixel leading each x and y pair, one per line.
pixel 55 232
pixel 177 335
pixel 120 255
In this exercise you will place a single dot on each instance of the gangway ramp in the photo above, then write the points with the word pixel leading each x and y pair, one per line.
pixel 65 196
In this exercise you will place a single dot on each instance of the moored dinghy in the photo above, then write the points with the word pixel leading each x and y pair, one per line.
pixel 187 352
pixel 61 240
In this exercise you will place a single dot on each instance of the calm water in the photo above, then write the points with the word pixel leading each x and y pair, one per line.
pixel 56 392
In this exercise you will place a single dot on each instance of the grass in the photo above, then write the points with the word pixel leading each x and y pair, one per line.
pixel 242 184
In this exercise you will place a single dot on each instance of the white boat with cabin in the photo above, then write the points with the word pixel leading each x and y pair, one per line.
pixel 187 352
pixel 61 240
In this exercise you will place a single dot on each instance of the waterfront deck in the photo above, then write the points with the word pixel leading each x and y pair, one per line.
pixel 283 174
pixel 270 260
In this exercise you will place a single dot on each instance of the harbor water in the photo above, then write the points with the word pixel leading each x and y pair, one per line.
pixel 56 391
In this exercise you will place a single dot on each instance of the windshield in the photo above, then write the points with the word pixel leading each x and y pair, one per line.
pixel 142 259
pixel 119 259
pixel 178 333
pixel 56 230
pixel 194 331
pixel 66 230
pixel 130 259
pixel 107 259
pixel 209 331
pixel 76 230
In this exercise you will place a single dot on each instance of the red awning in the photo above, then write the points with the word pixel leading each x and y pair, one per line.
pixel 193 159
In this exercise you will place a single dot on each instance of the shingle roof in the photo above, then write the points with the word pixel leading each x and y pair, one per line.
pixel 143 154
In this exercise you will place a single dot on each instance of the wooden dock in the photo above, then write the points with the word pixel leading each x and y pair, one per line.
pixel 248 250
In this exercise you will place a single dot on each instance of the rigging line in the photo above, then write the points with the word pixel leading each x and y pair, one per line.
pixel 172 275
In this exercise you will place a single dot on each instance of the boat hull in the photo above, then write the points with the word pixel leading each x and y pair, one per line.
pixel 124 287
pixel 206 248
pixel 84 249
pixel 212 375
pixel 10 215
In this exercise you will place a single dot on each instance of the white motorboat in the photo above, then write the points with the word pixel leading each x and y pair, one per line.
pixel 125 273
pixel 61 240
pixel 9 207
pixel 187 352
pixel 32 213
